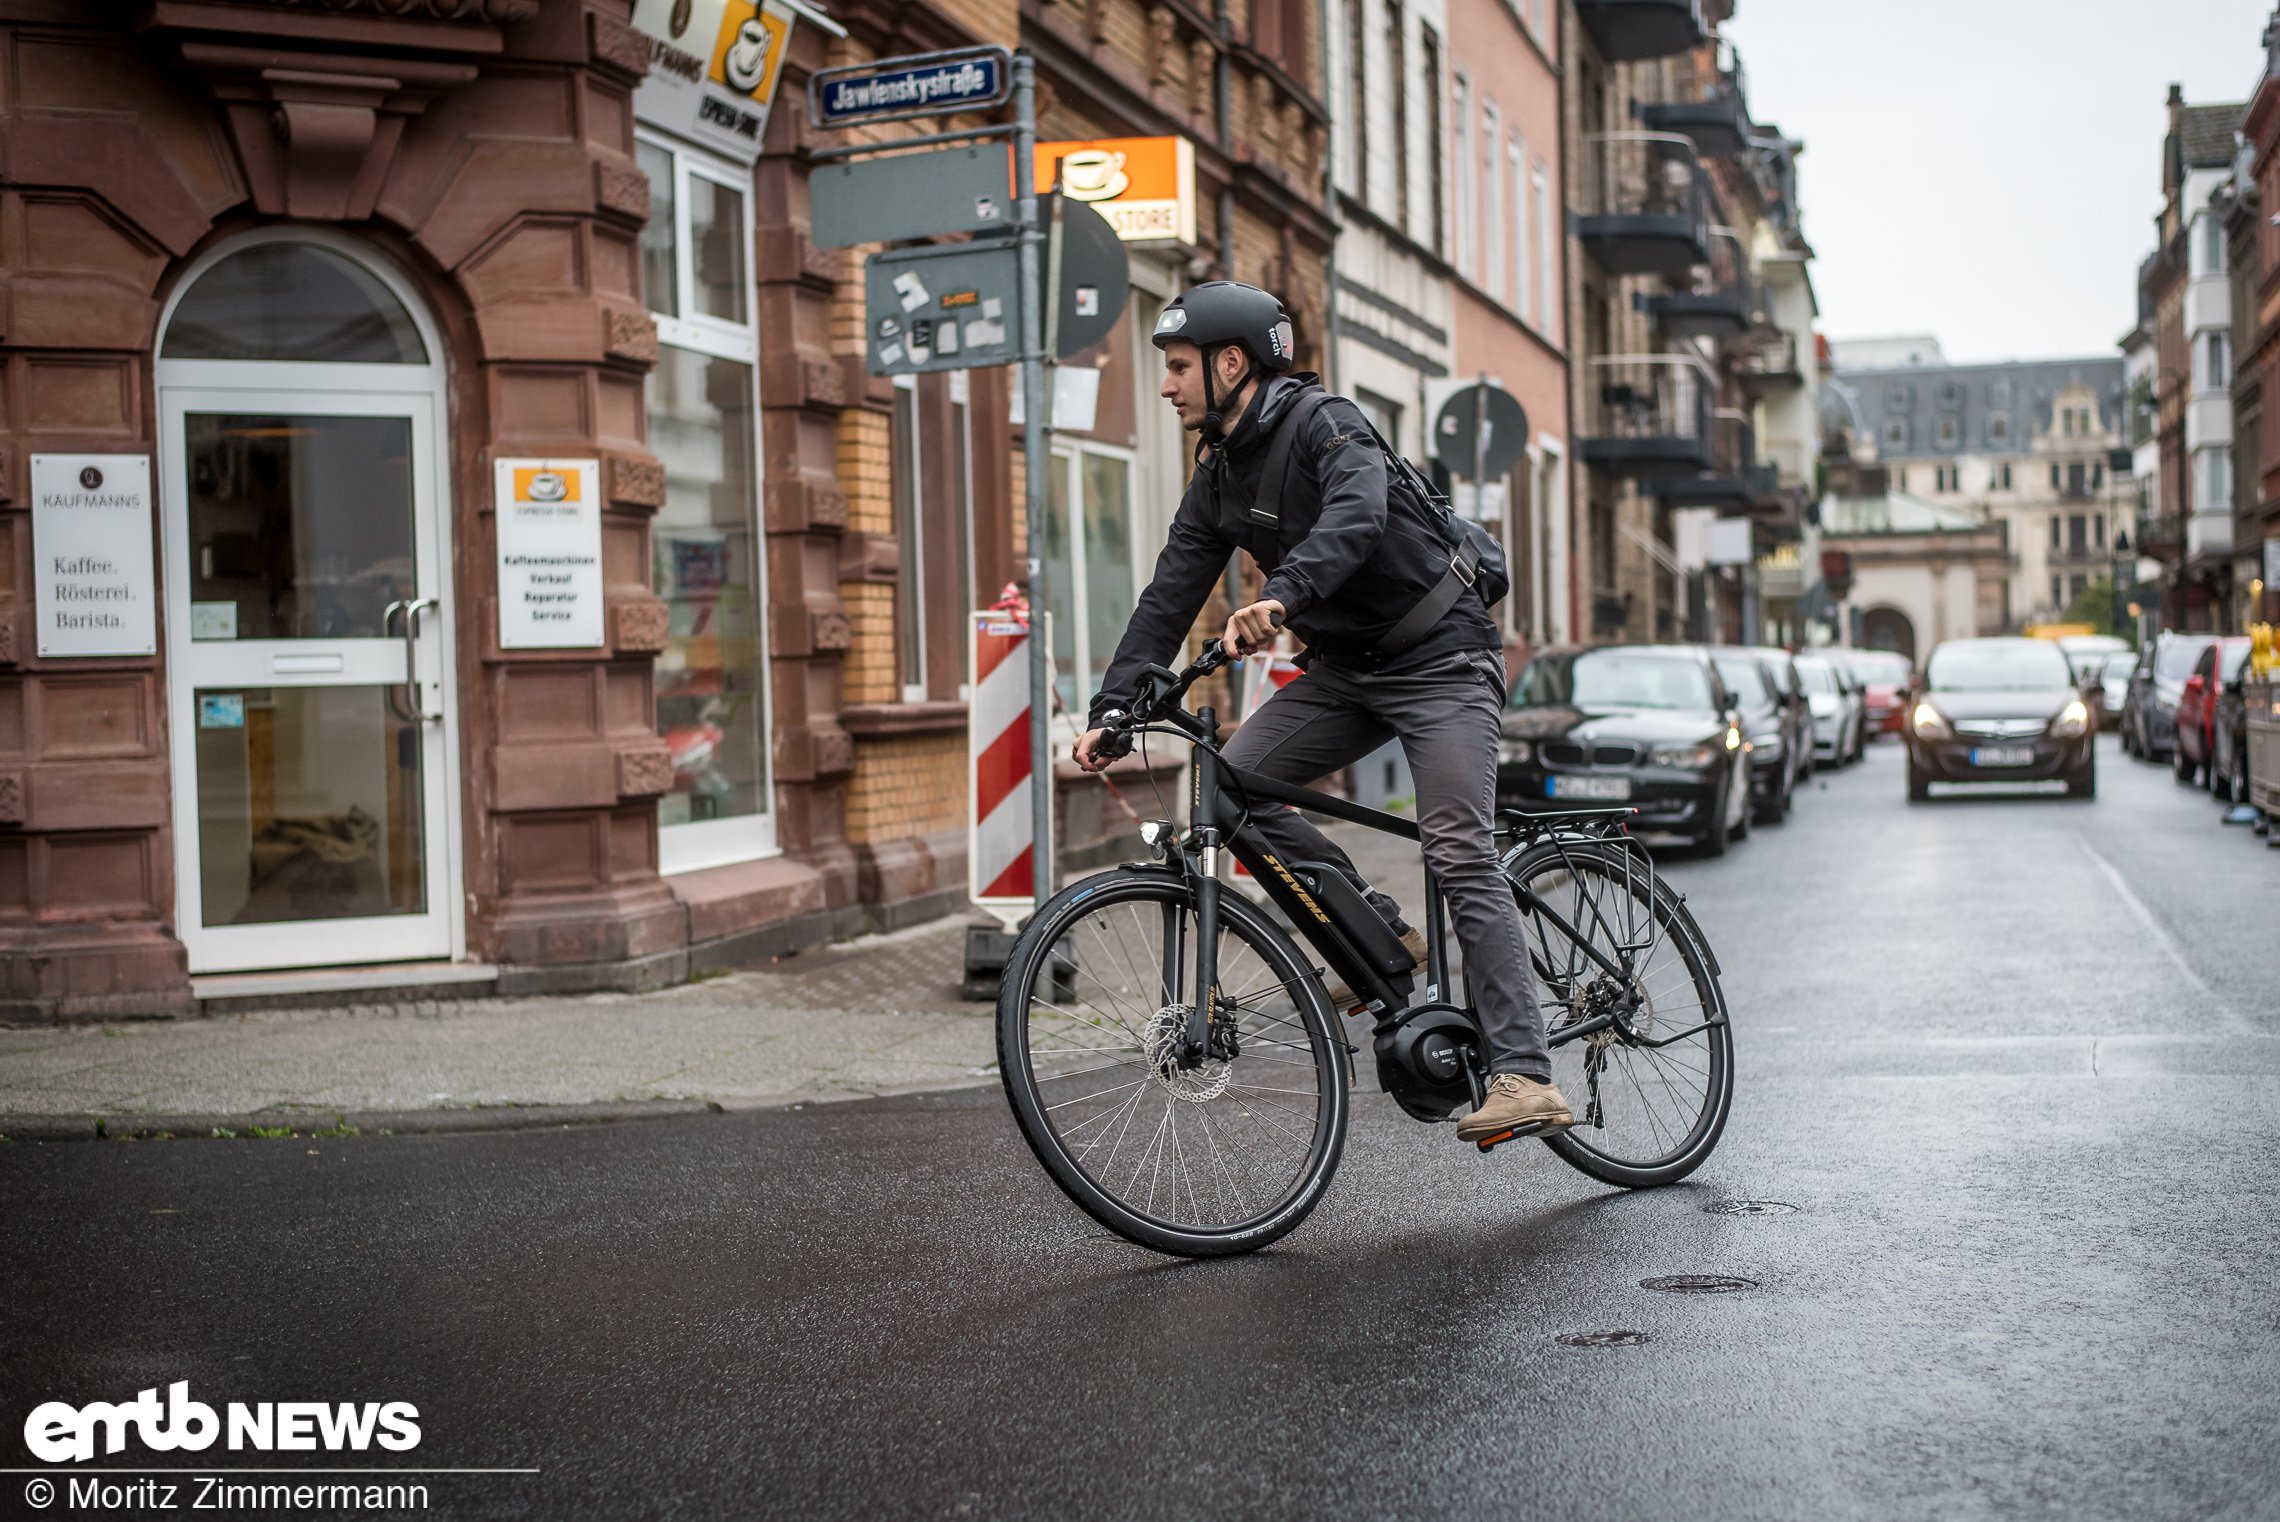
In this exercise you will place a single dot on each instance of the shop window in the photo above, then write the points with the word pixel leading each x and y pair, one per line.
pixel 930 457
pixel 293 301
pixel 707 553
pixel 1429 58
pixel 1090 557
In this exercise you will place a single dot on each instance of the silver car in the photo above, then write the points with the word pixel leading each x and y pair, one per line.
pixel 1839 707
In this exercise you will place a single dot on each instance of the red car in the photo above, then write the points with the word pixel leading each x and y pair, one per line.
pixel 1884 676
pixel 2220 662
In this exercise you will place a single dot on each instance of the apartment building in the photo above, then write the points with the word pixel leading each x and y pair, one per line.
pixel 405 250
pixel 2187 289
pixel 2253 245
pixel 1690 322
pixel 2034 448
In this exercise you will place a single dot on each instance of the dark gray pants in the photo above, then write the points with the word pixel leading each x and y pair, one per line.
pixel 1448 720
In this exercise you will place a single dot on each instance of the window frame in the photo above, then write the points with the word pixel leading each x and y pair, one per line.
pixel 698 844
pixel 1068 454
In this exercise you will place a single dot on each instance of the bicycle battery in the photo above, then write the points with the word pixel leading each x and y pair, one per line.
pixel 1360 926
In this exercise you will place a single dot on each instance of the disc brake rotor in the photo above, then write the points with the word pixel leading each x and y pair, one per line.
pixel 1160 1042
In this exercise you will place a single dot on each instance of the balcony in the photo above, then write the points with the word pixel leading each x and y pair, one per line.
pixel 1643 208
pixel 1647 416
pixel 1731 478
pixel 1707 105
pixel 1720 302
pixel 1625 31
pixel 1769 364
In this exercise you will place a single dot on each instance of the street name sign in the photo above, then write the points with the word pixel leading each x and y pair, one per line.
pixel 915 84
pixel 92 578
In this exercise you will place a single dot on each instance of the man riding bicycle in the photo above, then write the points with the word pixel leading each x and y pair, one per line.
pixel 1400 645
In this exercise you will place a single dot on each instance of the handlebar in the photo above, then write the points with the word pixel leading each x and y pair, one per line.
pixel 1159 694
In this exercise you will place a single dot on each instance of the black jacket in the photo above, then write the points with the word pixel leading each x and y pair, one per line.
pixel 1345 570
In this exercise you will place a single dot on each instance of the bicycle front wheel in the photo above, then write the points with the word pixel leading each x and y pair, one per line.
pixel 1652 1090
pixel 1201 1161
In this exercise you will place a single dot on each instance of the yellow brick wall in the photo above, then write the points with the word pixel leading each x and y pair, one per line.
pixel 911 786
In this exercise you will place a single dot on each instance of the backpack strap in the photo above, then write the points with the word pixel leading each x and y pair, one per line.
pixel 1266 508
pixel 1464 565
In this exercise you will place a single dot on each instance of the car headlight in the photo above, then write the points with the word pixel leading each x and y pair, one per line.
pixel 1683 755
pixel 1767 745
pixel 1929 725
pixel 1514 750
pixel 2072 720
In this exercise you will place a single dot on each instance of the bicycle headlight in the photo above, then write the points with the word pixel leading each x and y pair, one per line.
pixel 1929 724
pixel 1688 756
pixel 2072 720
pixel 1515 750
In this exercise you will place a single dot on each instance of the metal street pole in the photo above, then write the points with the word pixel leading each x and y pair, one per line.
pixel 1037 460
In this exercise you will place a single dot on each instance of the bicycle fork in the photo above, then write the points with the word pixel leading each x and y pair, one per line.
pixel 1203 812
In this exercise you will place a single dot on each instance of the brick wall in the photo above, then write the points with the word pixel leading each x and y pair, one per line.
pixel 912 785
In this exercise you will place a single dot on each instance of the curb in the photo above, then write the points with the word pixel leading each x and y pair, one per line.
pixel 62 1128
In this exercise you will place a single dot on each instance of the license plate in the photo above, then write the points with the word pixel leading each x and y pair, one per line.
pixel 2003 755
pixel 1587 787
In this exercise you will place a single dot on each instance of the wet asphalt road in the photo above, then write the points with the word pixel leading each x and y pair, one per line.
pixel 2012 1062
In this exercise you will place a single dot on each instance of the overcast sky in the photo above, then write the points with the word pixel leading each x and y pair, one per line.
pixel 1986 170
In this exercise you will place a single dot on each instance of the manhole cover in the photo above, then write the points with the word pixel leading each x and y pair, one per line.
pixel 1748 1207
pixel 1698 1284
pixel 1602 1339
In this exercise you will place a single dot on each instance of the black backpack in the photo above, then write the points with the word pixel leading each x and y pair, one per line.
pixel 1475 559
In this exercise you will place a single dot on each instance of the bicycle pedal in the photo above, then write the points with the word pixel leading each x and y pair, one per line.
pixel 1517 1133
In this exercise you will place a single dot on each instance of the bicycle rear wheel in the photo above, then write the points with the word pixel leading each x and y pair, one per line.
pixel 1652 1092
pixel 1199 1161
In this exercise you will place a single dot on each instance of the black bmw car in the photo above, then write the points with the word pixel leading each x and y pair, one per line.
pixel 1650 726
pixel 2000 710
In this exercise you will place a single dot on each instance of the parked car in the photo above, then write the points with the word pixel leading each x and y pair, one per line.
pixel 1768 731
pixel 2228 754
pixel 2093 656
pixel 1839 714
pixel 2149 712
pixel 2004 709
pixel 2196 720
pixel 1786 681
pixel 1646 725
pixel 1884 677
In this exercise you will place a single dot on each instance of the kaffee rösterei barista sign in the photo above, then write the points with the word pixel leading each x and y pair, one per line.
pixel 549 529
pixel 93 583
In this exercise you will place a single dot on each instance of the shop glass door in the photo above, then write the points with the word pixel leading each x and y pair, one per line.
pixel 309 641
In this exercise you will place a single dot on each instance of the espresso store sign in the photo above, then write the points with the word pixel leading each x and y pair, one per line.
pixel 94 586
pixel 713 67
pixel 550 554
pixel 1144 186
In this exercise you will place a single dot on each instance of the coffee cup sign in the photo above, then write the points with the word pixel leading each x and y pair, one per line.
pixel 1143 186
pixel 1094 174
pixel 713 67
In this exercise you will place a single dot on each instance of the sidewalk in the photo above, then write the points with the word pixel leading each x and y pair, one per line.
pixel 879 1015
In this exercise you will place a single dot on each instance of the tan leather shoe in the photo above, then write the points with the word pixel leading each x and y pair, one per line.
pixel 1342 998
pixel 1515 1106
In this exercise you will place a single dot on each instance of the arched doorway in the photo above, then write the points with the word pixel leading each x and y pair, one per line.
pixel 302 455
pixel 1889 629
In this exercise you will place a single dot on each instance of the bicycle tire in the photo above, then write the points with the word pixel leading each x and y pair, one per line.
pixel 1684 1132
pixel 1280 1009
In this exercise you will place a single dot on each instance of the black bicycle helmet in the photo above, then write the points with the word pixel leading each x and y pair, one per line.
pixel 1222 312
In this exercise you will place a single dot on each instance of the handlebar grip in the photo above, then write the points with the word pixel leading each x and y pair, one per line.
pixel 1276 619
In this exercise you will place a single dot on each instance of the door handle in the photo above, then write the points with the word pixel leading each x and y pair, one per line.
pixel 415 712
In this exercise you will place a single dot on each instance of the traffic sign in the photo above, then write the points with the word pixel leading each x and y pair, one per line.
pixel 1096 275
pixel 1480 433
pixel 913 84
pixel 911 195
pixel 948 306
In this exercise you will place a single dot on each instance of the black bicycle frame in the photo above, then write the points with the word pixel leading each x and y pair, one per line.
pixel 1220 801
